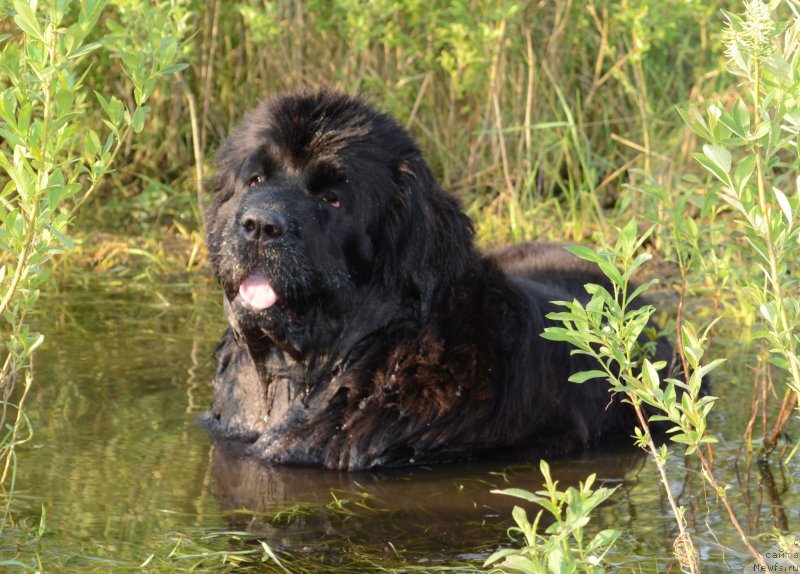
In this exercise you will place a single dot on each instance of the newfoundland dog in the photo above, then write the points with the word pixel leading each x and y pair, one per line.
pixel 365 329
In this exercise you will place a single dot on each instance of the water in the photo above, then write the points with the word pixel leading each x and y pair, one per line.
pixel 127 477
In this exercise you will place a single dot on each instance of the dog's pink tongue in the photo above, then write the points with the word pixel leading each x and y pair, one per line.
pixel 257 292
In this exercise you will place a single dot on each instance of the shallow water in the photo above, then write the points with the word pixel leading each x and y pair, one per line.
pixel 127 476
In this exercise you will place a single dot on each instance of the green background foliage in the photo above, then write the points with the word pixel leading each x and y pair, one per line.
pixel 549 120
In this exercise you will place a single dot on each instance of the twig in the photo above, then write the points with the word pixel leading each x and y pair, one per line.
pixel 689 555
pixel 209 74
pixel 721 493
pixel 498 115
pixel 196 147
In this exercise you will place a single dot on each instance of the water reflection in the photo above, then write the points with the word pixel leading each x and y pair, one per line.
pixel 441 500
pixel 122 467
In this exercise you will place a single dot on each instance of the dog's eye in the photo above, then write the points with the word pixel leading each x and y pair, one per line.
pixel 331 199
pixel 257 180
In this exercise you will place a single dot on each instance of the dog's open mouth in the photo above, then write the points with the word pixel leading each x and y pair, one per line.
pixel 257 292
pixel 257 300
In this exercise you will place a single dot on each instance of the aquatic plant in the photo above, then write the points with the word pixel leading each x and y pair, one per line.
pixel 563 545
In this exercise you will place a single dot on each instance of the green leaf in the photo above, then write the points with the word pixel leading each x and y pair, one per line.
pixel 169 48
pixel 741 115
pixel 8 107
pixel 134 64
pixel 85 49
pixel 109 144
pixel 90 13
pixel 12 138
pixel 584 376
pixel 517 563
pixel 73 37
pixel 640 260
pixel 519 493
pixel 114 109
pixel 703 371
pixel 556 334
pixel 34 343
pixel 583 252
pixel 629 232
pixel 61 237
pixel 24 118
pixel 521 518
pixel 26 20
pixel 712 168
pixel 174 69
pixel 744 170
pixel 719 156
pixel 64 100
pixel 732 124
pixel 148 88
pixel 138 118
pixel 500 554
pixel 692 118
pixel 91 143
pixel 558 562
pixel 769 313
pixel 783 201
pixel 762 129
pixel 610 270
pixel 650 374
pixel 603 539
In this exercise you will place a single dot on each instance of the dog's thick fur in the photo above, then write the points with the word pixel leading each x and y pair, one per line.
pixel 392 340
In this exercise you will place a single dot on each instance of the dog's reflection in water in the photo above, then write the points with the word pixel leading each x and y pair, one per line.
pixel 430 508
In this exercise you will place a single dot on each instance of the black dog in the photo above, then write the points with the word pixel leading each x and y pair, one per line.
pixel 365 328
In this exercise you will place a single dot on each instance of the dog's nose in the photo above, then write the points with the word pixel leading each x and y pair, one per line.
pixel 258 224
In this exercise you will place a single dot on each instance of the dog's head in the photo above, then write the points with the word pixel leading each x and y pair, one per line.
pixel 322 203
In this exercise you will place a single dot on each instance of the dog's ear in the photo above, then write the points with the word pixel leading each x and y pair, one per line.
pixel 427 238
pixel 223 185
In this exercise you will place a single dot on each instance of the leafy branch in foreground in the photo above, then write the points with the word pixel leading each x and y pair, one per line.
pixel 562 547
pixel 752 152
pixel 52 162
pixel 608 329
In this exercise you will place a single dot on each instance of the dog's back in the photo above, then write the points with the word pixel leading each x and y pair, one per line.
pixel 549 264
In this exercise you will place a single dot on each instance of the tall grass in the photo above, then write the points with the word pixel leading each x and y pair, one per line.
pixel 534 113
